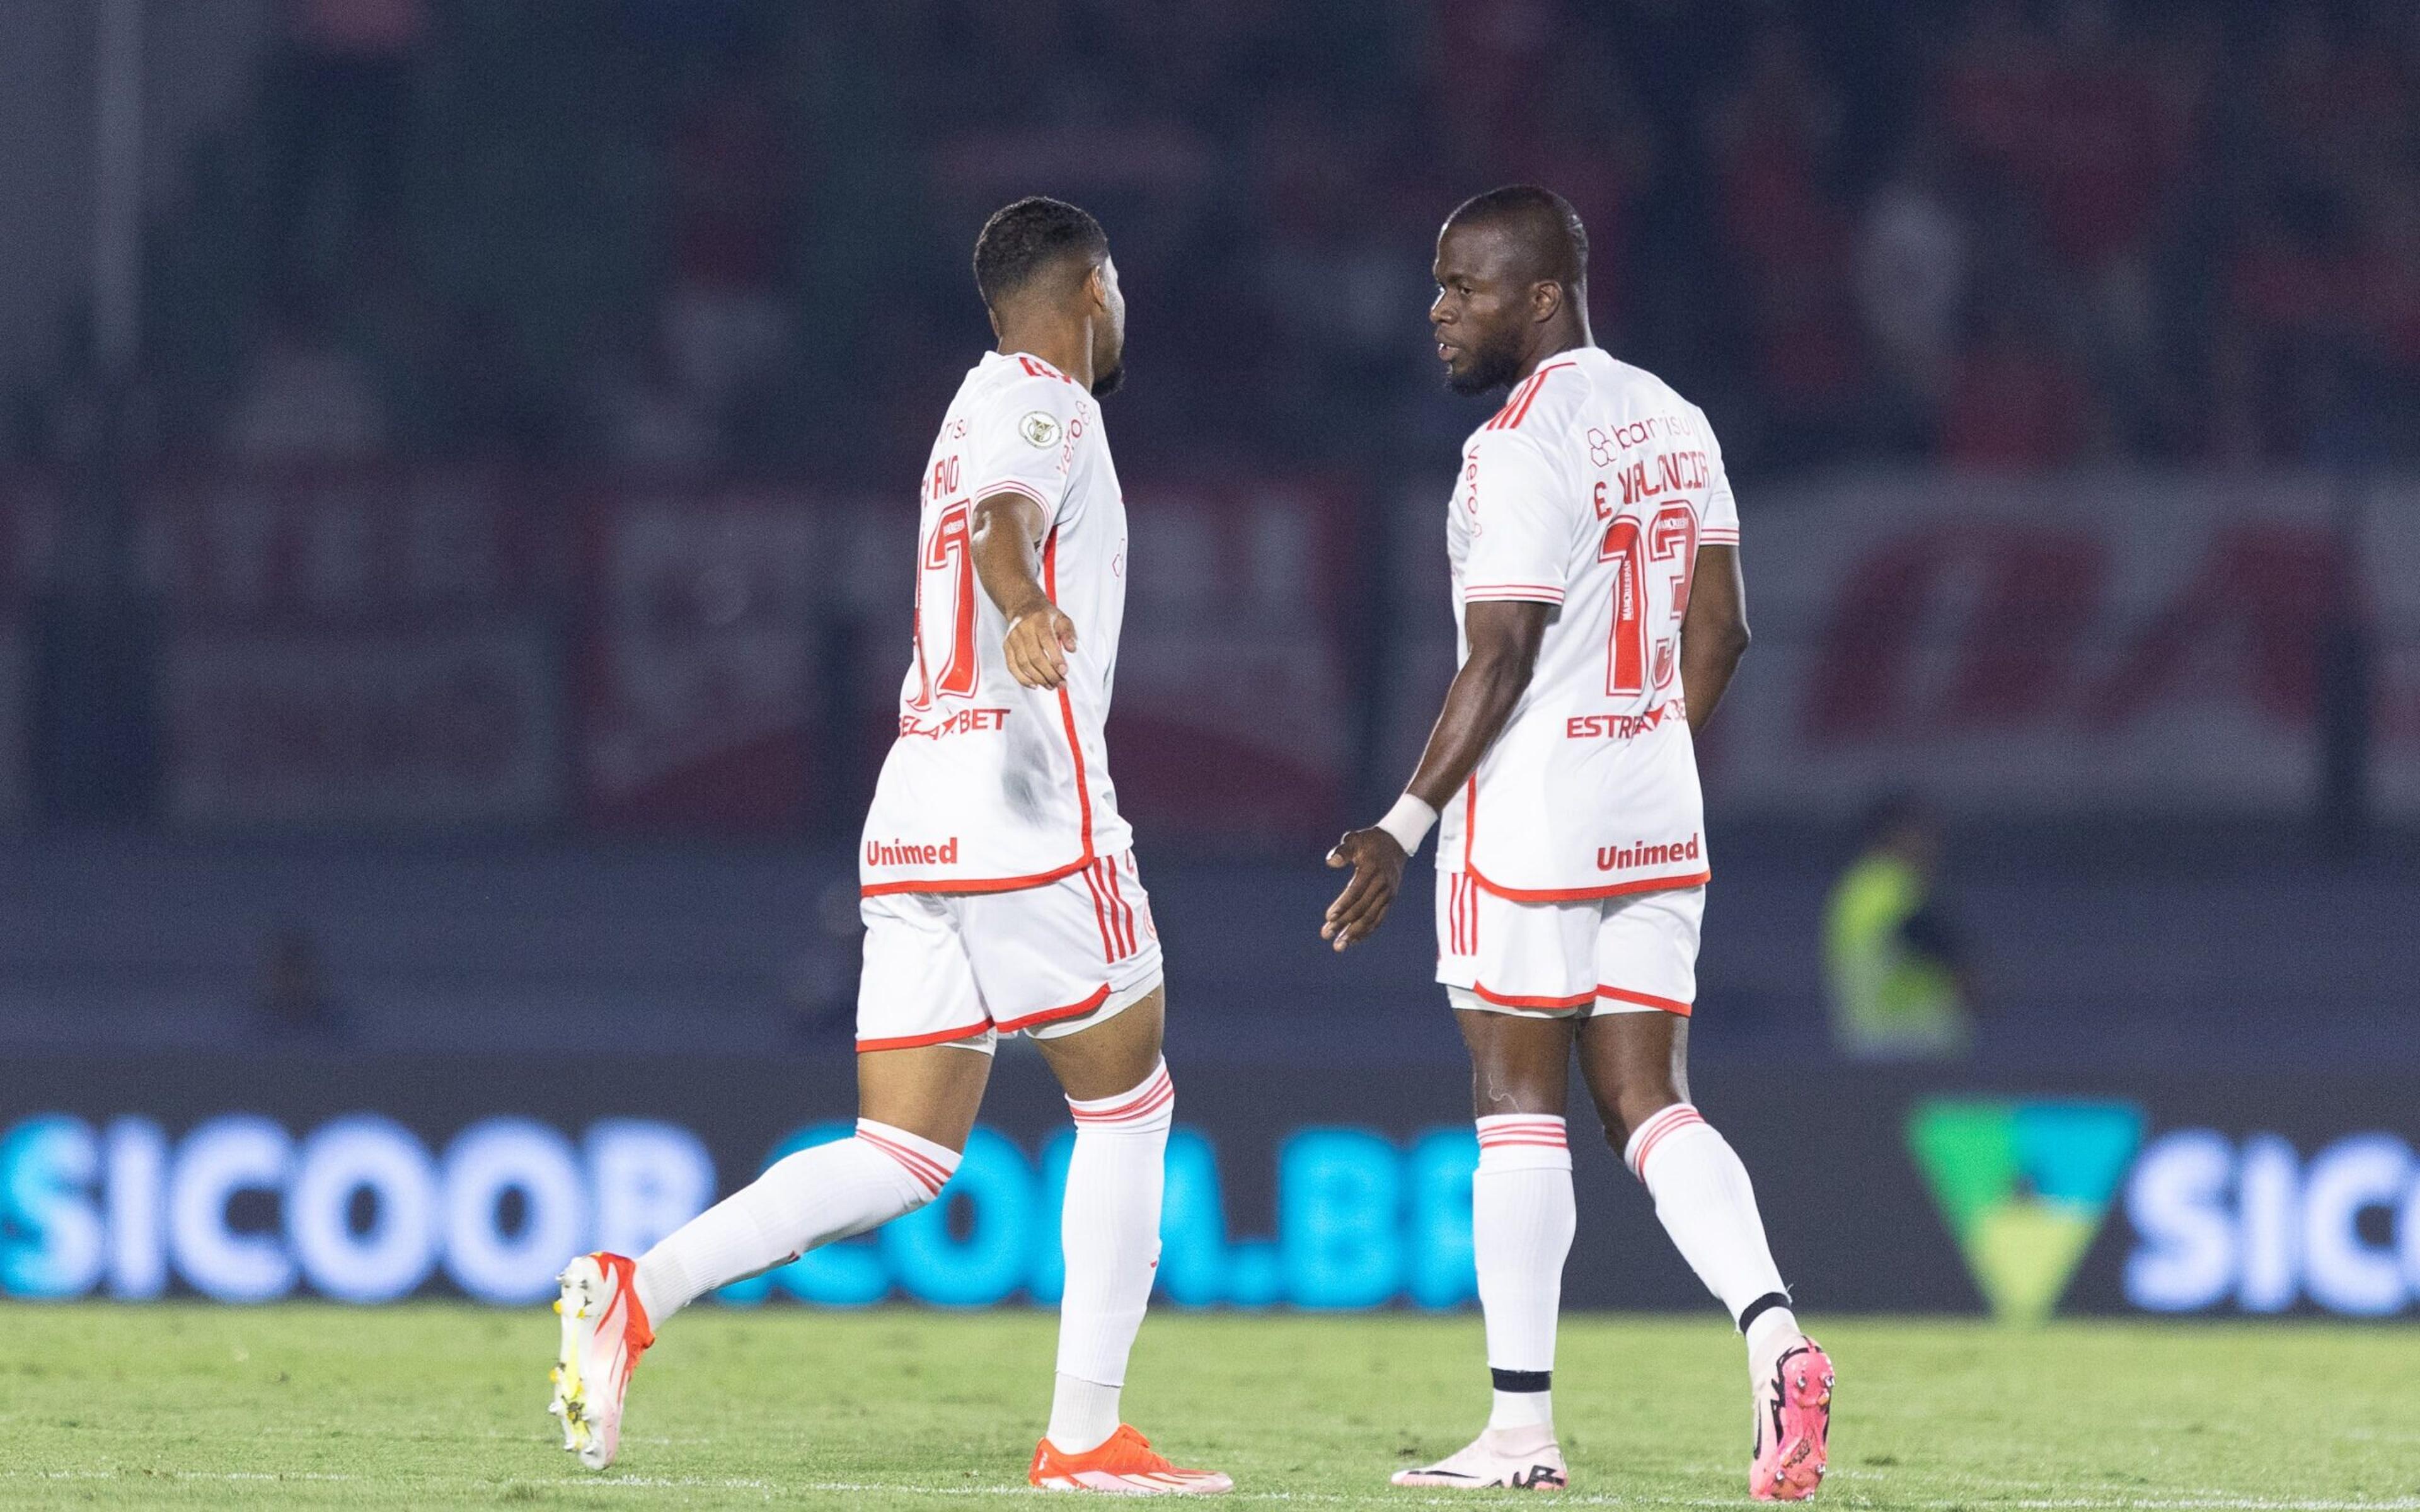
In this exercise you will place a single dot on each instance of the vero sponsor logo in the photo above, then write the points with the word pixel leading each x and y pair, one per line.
pixel 2024 1187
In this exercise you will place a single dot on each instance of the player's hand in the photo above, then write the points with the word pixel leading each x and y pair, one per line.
pixel 1039 640
pixel 1378 862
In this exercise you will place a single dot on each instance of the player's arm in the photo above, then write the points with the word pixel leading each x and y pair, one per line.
pixel 1504 637
pixel 1008 531
pixel 1714 631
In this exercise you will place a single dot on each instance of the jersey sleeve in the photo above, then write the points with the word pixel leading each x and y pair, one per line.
pixel 1025 440
pixel 1520 516
pixel 1720 526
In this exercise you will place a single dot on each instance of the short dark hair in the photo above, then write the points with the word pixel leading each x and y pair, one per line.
pixel 1030 236
pixel 1545 223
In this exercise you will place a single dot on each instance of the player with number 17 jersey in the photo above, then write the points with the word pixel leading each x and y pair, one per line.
pixel 992 786
pixel 999 892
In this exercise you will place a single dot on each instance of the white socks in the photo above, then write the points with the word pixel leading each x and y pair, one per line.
pixel 1522 1215
pixel 1702 1195
pixel 806 1199
pixel 1109 1231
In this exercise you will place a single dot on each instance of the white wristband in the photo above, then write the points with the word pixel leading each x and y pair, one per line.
pixel 1409 820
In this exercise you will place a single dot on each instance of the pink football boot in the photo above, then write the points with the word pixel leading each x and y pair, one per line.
pixel 1794 1417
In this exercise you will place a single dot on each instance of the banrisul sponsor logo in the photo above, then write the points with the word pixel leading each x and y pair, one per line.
pixel 2024 1187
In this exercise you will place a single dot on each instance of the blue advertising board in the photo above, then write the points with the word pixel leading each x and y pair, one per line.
pixel 248 1179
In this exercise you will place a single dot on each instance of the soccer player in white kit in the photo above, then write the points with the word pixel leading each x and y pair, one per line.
pixel 1595 548
pixel 1000 889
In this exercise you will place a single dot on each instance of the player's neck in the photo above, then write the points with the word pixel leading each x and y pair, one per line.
pixel 1561 336
pixel 1069 351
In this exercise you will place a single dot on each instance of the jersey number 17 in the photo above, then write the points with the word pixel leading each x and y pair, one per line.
pixel 950 550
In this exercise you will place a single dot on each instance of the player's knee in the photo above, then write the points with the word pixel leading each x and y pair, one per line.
pixel 925 1166
pixel 1632 1104
pixel 1498 1088
pixel 1148 1107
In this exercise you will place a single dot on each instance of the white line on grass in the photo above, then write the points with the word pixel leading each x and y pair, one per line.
pixel 639 1483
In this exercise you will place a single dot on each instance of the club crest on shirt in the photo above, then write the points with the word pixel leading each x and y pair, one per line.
pixel 1039 427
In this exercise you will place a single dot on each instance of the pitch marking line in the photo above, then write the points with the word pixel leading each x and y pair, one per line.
pixel 2075 1504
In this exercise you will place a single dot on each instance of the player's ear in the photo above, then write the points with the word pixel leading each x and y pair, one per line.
pixel 1546 297
pixel 1096 288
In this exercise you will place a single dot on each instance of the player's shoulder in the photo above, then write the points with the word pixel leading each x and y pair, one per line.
pixel 1637 407
pixel 1625 388
pixel 1577 390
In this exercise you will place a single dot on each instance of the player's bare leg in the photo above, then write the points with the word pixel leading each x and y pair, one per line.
pixel 1123 1104
pixel 917 1107
pixel 1522 1217
pixel 1636 1065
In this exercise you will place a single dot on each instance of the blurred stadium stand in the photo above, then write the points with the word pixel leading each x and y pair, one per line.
pixel 501 540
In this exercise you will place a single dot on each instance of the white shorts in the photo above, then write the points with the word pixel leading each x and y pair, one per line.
pixel 1631 954
pixel 963 967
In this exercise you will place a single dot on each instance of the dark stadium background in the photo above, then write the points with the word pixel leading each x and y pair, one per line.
pixel 457 469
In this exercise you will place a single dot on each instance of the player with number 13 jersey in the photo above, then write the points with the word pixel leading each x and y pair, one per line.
pixel 1591 491
pixel 1593 542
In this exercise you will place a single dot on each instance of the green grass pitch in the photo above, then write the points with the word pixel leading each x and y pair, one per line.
pixel 180 1406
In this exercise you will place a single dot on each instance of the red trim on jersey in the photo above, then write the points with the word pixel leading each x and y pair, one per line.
pixel 1516 407
pixel 1053 1015
pixel 1575 895
pixel 1502 1000
pixel 878 889
pixel 1010 485
pixel 916 1041
pixel 1622 995
pixel 1536 388
pixel 1528 592
pixel 1554 895
pixel 1083 789
pixel 1519 393
pixel 1036 367
pixel 1066 708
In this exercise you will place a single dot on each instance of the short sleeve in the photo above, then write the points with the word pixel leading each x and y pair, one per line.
pixel 1519 511
pixel 1026 440
pixel 1720 526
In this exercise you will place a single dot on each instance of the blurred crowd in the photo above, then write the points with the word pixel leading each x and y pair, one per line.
pixel 733 234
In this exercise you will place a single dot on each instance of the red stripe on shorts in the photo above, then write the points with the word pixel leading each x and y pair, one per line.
pixel 1101 913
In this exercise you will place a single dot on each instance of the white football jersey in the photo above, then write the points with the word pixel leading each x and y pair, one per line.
pixel 1590 490
pixel 991 785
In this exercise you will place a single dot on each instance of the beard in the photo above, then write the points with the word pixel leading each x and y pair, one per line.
pixel 1492 364
pixel 1104 385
